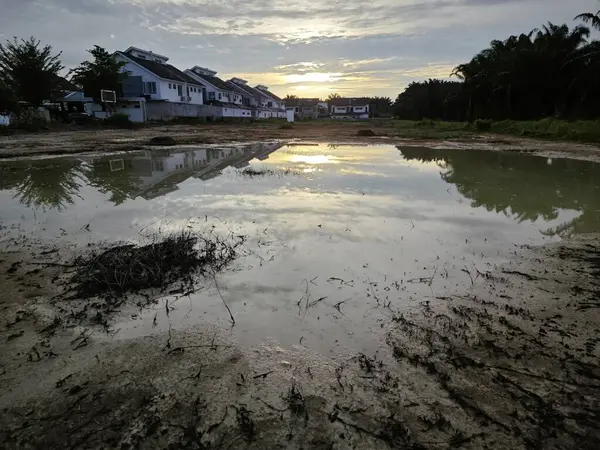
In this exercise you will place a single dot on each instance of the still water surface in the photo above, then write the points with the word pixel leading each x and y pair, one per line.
pixel 359 226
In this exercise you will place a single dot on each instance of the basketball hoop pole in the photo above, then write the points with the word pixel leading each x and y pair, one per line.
pixel 108 99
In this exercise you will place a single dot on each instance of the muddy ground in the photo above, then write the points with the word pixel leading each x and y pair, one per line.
pixel 386 131
pixel 511 363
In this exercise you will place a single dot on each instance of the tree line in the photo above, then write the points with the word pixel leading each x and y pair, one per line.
pixel 553 71
pixel 548 72
pixel 30 73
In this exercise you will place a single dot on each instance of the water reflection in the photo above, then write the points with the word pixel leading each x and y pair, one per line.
pixel 54 184
pixel 525 187
pixel 40 184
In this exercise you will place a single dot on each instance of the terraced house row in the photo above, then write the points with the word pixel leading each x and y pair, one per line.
pixel 156 90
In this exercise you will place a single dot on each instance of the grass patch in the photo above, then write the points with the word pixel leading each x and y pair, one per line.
pixel 550 128
pixel 119 121
pixel 431 129
pixel 177 257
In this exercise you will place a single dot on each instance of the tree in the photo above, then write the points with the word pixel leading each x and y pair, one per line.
pixel 291 97
pixel 590 18
pixel 552 71
pixel 333 96
pixel 432 99
pixel 7 100
pixel 104 72
pixel 29 71
pixel 380 105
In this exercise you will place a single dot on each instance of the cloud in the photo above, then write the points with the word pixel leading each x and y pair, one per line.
pixel 311 47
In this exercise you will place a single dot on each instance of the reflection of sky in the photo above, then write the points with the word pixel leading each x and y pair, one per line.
pixel 362 213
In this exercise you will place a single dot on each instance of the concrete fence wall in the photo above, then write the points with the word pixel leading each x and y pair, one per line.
pixel 168 110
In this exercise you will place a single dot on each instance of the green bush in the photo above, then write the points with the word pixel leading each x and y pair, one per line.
pixel 426 123
pixel 483 125
pixel 28 120
pixel 118 121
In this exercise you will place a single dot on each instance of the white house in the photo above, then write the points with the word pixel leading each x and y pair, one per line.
pixel 275 105
pixel 250 98
pixel 349 108
pixel 219 93
pixel 150 76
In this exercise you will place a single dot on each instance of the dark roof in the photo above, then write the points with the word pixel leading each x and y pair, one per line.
pixel 237 88
pixel 252 91
pixel 302 102
pixel 270 94
pixel 166 71
pixel 345 101
pixel 63 84
pixel 215 81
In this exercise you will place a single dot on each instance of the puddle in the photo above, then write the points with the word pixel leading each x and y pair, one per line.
pixel 338 236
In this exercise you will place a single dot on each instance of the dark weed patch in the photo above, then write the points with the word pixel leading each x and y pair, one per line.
pixel 251 172
pixel 165 260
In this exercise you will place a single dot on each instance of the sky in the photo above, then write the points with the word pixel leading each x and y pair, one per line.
pixel 308 48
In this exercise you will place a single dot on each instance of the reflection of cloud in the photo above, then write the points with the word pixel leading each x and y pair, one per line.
pixel 365 173
pixel 313 159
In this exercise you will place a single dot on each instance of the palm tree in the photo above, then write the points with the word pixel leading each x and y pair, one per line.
pixel 333 96
pixel 590 18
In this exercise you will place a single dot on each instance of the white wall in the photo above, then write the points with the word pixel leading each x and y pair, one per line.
pixel 172 93
pixel 163 92
pixel 135 114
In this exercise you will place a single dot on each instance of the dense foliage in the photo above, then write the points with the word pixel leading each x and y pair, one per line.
pixel 550 72
pixel 28 71
pixel 104 72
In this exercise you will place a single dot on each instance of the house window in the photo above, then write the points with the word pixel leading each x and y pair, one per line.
pixel 170 85
pixel 270 104
pixel 211 95
pixel 219 96
pixel 150 87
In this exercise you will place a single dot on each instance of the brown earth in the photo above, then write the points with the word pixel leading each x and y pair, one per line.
pixel 386 131
pixel 512 363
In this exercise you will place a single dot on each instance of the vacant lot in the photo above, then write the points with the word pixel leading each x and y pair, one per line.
pixel 426 133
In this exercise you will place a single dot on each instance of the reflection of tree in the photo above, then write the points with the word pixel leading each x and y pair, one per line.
pixel 114 176
pixel 523 185
pixel 42 183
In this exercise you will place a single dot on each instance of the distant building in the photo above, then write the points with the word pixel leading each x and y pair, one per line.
pixel 307 108
pixel 349 108
pixel 219 93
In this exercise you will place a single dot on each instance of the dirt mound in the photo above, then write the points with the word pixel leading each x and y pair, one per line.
pixel 164 141
pixel 368 132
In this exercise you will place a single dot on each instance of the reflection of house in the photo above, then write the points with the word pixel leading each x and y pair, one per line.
pixel 150 174
pixel 349 108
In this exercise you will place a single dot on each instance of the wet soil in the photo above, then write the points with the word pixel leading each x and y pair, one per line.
pixel 81 141
pixel 511 363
